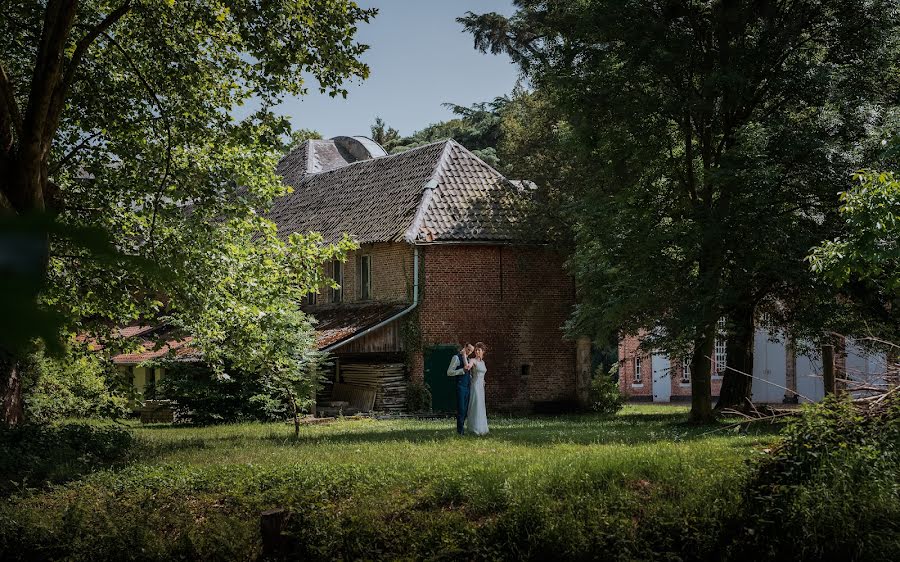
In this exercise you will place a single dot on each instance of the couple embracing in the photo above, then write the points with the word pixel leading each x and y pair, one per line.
pixel 468 367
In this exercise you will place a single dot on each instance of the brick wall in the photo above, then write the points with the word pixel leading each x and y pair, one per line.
pixel 628 352
pixel 392 280
pixel 516 300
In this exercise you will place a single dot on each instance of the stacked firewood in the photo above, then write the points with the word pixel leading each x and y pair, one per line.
pixel 388 380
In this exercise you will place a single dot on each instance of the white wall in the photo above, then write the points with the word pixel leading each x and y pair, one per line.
pixel 769 358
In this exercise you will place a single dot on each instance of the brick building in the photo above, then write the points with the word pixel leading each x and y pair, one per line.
pixel 443 259
pixel 783 371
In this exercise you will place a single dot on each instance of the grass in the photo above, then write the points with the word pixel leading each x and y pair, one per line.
pixel 631 486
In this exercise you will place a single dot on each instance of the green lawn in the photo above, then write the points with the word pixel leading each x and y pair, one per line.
pixel 639 483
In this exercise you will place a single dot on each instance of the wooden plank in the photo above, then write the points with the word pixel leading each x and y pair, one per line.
pixel 387 379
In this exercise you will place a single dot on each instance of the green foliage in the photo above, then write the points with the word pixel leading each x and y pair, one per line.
pixel 298 137
pixel 203 398
pixel 478 128
pixel 386 136
pixel 689 139
pixel 134 139
pixel 829 490
pixel 869 249
pixel 605 396
pixel 72 386
pixel 34 455
pixel 252 290
pixel 418 397
pixel 636 486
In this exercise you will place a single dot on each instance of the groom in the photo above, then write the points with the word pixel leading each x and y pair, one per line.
pixel 458 369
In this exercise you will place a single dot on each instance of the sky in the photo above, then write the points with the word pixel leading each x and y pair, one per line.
pixel 419 58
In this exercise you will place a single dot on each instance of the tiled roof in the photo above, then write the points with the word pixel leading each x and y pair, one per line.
pixel 147 337
pixel 179 349
pixel 335 324
pixel 385 199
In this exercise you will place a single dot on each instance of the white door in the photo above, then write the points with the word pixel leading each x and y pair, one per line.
pixel 769 368
pixel 662 378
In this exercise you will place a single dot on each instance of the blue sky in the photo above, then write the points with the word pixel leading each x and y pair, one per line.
pixel 419 58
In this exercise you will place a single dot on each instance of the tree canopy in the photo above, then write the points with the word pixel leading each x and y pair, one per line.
pixel 701 149
pixel 478 128
pixel 116 123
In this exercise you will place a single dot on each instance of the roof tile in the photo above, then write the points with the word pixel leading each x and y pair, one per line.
pixel 377 200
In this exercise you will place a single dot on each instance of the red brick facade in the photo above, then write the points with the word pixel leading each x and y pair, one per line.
pixel 680 386
pixel 513 298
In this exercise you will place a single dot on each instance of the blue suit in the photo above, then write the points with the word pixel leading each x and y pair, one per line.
pixel 462 396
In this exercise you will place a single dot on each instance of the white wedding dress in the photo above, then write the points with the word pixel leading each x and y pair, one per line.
pixel 476 420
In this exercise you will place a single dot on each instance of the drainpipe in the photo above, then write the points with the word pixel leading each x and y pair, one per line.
pixel 400 314
pixel 410 236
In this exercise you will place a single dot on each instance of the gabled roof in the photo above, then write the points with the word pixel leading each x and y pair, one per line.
pixel 436 192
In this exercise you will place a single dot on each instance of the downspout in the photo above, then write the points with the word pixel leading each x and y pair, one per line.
pixel 411 234
pixel 404 312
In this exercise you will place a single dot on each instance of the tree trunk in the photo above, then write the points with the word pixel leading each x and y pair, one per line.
pixel 27 137
pixel 11 407
pixel 701 376
pixel 736 387
pixel 709 270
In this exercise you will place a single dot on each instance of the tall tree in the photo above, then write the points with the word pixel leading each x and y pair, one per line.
pixel 477 127
pixel 384 135
pixel 115 119
pixel 707 141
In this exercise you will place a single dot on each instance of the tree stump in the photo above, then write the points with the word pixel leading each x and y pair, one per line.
pixel 271 526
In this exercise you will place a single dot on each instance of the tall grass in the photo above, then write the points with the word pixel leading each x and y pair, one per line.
pixel 634 486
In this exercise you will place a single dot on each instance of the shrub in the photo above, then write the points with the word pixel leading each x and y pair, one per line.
pixel 71 386
pixel 606 398
pixel 34 455
pixel 829 490
pixel 418 397
pixel 202 398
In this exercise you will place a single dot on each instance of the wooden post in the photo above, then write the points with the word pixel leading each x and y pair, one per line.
pixel 828 368
pixel 271 525
pixel 790 372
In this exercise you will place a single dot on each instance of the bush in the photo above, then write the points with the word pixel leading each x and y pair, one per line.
pixel 203 398
pixel 606 398
pixel 35 455
pixel 71 386
pixel 418 397
pixel 829 490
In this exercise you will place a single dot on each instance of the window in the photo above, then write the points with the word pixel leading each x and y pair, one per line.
pixel 337 273
pixel 364 264
pixel 526 370
pixel 638 376
pixel 686 370
pixel 721 357
pixel 311 298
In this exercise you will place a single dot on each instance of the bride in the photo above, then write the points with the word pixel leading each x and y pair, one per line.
pixel 477 418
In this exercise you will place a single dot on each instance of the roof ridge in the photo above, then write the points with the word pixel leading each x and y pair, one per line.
pixel 475 156
pixel 380 158
pixel 412 232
